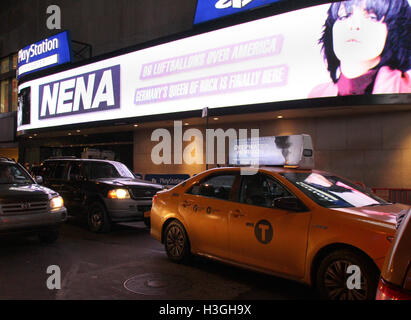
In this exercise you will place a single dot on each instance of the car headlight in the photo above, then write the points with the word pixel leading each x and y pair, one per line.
pixel 56 202
pixel 119 194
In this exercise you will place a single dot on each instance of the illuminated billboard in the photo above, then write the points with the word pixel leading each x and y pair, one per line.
pixel 322 51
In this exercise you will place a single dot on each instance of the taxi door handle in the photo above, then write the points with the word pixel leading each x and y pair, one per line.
pixel 186 203
pixel 237 213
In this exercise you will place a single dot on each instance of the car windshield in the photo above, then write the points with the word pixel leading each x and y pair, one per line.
pixel 123 170
pixel 109 170
pixel 11 173
pixel 331 191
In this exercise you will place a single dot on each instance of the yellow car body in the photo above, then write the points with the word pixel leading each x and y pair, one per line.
pixel 285 243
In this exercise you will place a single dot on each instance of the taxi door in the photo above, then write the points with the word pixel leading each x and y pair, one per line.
pixel 205 208
pixel 264 236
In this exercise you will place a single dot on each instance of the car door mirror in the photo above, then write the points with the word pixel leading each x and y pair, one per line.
pixel 289 204
pixel 39 179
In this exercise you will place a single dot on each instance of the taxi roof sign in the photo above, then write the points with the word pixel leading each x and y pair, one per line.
pixel 291 151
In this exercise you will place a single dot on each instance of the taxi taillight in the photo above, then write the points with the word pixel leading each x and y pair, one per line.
pixel 154 199
pixel 388 291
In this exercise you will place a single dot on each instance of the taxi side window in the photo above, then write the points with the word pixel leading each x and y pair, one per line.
pixel 260 190
pixel 217 186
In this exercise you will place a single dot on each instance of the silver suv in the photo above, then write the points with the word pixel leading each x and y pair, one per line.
pixel 27 207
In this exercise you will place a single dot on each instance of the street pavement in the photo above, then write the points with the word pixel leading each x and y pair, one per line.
pixel 126 264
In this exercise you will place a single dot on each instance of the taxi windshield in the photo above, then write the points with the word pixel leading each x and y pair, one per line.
pixel 332 191
pixel 13 174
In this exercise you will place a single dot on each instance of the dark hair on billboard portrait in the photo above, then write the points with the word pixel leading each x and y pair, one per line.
pixel 394 60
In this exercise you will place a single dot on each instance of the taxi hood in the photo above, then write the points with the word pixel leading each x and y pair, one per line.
pixel 386 214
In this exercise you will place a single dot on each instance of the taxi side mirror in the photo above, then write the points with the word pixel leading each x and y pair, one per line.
pixel 289 204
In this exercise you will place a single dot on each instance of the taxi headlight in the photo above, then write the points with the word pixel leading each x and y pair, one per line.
pixel 56 202
pixel 119 194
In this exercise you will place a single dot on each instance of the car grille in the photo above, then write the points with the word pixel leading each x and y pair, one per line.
pixel 143 193
pixel 10 209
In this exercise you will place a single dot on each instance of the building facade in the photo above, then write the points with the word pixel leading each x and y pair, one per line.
pixel 8 106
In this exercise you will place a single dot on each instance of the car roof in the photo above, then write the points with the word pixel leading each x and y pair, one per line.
pixel 4 159
pixel 81 160
pixel 274 169
pixel 8 161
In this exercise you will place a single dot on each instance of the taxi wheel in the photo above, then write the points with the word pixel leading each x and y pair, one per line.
pixel 334 280
pixel 98 220
pixel 176 242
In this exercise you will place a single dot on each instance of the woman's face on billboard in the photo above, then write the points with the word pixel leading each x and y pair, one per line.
pixel 358 36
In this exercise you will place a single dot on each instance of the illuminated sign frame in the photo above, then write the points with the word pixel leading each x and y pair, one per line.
pixel 261 65
pixel 47 53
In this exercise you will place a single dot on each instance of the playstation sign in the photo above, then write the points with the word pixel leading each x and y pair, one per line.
pixel 44 54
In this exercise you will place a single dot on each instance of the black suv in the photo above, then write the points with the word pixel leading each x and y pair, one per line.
pixel 26 206
pixel 102 191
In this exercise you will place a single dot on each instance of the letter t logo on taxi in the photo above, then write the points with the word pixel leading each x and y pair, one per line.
pixel 264 228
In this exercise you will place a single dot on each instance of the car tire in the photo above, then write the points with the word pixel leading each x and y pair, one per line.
pixel 333 279
pixel 98 220
pixel 49 236
pixel 176 242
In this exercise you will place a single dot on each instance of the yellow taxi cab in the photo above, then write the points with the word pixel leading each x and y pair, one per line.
pixel 302 224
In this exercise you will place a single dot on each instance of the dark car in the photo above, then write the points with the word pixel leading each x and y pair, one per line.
pixel 27 207
pixel 102 191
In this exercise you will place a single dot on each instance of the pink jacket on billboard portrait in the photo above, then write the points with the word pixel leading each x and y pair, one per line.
pixel 386 81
